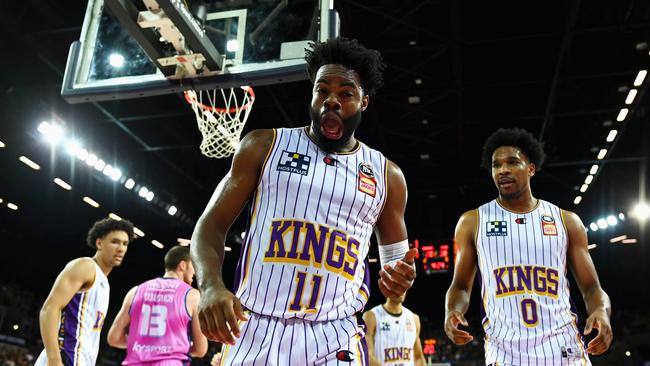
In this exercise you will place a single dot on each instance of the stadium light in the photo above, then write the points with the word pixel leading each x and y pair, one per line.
pixel 641 211
pixel 602 223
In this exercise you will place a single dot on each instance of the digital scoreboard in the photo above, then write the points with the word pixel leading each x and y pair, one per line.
pixel 434 258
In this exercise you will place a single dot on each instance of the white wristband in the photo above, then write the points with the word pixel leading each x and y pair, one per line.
pixel 391 253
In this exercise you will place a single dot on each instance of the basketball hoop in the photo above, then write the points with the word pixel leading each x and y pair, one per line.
pixel 220 126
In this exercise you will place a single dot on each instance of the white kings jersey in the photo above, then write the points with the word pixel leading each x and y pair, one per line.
pixel 81 324
pixel 527 311
pixel 312 216
pixel 394 337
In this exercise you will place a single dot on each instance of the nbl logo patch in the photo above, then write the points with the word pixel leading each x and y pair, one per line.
pixel 548 225
pixel 496 228
pixel 366 180
pixel 294 163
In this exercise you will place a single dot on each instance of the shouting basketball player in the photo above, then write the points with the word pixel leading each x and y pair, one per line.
pixel 158 324
pixel 316 195
pixel 522 246
pixel 72 316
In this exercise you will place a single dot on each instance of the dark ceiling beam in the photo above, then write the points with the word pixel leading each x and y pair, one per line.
pixel 404 50
pixel 420 107
pixel 151 116
pixel 170 147
pixel 574 8
pixel 280 108
pixel 629 159
pixel 386 15
pixel 457 71
pixel 523 37
pixel 412 70
pixel 57 31
pixel 403 19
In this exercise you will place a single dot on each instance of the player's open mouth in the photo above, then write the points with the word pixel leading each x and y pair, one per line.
pixel 331 126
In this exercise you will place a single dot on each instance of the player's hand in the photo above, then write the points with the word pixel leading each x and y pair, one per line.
pixel 599 320
pixel 219 312
pixel 458 336
pixel 216 359
pixel 394 281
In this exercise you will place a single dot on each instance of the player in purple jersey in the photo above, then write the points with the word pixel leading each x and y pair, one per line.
pixel 72 316
pixel 157 323
pixel 345 74
pixel 526 284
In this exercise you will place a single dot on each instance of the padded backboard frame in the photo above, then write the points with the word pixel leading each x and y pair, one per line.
pixel 85 81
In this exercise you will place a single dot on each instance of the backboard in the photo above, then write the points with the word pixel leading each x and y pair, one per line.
pixel 137 48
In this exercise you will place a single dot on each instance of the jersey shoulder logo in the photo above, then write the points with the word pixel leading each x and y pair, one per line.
pixel 366 179
pixel 548 225
pixel 409 326
pixel 294 162
pixel 496 228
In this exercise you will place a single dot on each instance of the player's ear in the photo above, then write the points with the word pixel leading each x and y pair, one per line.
pixel 98 243
pixel 182 265
pixel 364 102
pixel 531 169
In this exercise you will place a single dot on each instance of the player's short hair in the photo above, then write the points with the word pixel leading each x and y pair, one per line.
pixel 105 226
pixel 176 255
pixel 515 137
pixel 352 54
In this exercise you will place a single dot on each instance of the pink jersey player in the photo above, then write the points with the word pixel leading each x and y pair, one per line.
pixel 159 328
pixel 158 315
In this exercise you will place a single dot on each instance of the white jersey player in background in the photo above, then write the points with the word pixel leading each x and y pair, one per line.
pixel 73 314
pixel 317 194
pixel 522 246
pixel 393 335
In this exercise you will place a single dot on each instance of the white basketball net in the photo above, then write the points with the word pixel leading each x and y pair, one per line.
pixel 220 115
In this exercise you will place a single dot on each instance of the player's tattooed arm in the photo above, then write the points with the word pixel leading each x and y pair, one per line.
pixel 219 309
pixel 458 295
pixel 391 228
pixel 596 300
pixel 117 333
pixel 77 275
pixel 371 331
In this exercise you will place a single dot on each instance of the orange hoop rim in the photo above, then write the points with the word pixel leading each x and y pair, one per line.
pixel 248 89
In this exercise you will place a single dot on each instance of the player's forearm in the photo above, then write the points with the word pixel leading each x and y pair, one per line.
pixel 117 338
pixel 207 253
pixel 457 299
pixel 597 299
pixel 49 321
pixel 420 361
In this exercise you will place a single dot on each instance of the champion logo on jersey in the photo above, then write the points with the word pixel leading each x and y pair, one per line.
pixel 520 220
pixel 367 182
pixel 344 355
pixel 548 225
pixel 293 162
pixel 496 228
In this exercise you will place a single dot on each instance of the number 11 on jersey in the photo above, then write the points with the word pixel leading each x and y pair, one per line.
pixel 301 278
